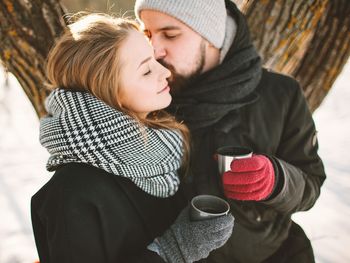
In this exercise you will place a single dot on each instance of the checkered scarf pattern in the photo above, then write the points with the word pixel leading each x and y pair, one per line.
pixel 81 128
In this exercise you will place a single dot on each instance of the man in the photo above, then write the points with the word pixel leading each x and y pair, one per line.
pixel 223 94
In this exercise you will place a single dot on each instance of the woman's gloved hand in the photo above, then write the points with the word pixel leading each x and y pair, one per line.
pixel 188 241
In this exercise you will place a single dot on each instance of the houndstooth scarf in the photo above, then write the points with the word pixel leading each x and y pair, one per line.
pixel 81 128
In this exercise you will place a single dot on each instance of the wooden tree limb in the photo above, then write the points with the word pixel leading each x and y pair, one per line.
pixel 28 30
pixel 306 39
pixel 327 54
pixel 282 30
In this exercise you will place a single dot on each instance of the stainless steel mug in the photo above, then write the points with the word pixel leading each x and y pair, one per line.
pixel 208 206
pixel 227 154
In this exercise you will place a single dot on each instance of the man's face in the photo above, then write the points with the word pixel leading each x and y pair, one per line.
pixel 176 46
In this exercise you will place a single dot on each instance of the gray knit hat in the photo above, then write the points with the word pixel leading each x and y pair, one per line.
pixel 206 17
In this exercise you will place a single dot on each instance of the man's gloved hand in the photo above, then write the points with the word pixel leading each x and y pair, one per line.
pixel 249 179
pixel 188 241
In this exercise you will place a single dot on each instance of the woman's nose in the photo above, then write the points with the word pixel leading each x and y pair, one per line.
pixel 164 73
pixel 167 72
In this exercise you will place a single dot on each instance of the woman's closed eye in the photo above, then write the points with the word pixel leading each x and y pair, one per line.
pixel 148 72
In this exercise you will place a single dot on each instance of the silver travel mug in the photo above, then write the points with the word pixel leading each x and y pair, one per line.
pixel 208 206
pixel 229 153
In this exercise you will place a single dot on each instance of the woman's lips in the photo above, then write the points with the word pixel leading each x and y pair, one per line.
pixel 166 88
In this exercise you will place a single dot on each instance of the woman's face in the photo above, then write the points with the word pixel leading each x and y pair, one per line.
pixel 143 81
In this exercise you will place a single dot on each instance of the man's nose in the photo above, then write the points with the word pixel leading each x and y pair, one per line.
pixel 159 50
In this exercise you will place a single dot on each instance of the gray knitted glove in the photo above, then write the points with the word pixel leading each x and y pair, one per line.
pixel 188 241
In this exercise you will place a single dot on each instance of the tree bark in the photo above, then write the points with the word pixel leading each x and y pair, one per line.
pixel 308 39
pixel 27 31
pixel 327 54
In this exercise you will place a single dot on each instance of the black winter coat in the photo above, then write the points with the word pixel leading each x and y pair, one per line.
pixel 280 126
pixel 274 120
pixel 84 214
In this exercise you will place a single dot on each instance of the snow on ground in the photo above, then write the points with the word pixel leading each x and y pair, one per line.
pixel 327 223
pixel 22 173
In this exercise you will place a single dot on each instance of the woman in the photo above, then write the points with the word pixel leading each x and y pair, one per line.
pixel 115 193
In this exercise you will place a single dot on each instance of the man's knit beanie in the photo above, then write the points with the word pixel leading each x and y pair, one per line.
pixel 206 17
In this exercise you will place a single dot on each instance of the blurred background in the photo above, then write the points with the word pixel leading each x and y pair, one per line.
pixel 22 162
pixel 120 7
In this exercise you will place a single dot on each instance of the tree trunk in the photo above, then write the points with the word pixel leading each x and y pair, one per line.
pixel 327 53
pixel 27 31
pixel 308 39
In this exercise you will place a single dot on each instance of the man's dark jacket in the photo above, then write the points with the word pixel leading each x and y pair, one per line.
pixel 273 120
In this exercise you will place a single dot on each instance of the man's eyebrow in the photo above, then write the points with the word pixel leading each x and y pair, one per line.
pixel 144 61
pixel 169 28
pixel 166 28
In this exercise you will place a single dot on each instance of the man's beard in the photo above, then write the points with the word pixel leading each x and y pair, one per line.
pixel 178 82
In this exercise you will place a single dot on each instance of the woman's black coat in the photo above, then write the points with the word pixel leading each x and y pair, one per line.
pixel 84 214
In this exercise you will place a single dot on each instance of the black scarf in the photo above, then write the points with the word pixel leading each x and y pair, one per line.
pixel 225 88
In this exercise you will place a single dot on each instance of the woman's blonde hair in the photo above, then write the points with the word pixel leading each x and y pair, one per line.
pixel 86 58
